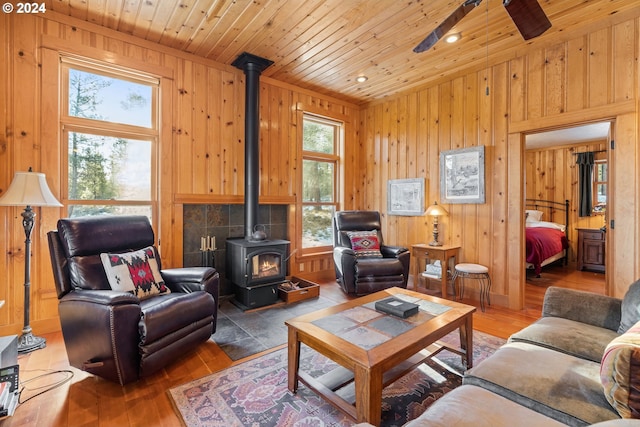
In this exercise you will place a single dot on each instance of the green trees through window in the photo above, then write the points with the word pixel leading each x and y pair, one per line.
pixel 319 179
pixel 110 133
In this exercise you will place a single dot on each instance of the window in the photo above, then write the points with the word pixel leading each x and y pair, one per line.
pixel 320 164
pixel 600 173
pixel 110 128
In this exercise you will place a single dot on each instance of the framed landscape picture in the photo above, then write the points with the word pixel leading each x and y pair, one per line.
pixel 462 175
pixel 405 197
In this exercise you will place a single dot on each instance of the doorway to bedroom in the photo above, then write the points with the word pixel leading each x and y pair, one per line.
pixel 566 188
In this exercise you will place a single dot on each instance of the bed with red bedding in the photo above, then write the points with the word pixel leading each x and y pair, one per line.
pixel 544 245
pixel 546 241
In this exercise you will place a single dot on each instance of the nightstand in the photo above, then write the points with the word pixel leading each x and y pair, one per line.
pixel 423 253
pixel 591 249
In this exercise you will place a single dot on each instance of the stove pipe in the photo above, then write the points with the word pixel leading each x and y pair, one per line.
pixel 252 66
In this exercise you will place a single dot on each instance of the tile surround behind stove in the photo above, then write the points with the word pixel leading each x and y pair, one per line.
pixel 222 222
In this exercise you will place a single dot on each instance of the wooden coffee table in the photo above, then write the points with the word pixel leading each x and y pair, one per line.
pixel 374 348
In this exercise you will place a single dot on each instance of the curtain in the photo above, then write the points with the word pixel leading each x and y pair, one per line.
pixel 585 163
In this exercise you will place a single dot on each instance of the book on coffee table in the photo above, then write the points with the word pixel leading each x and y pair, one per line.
pixel 397 307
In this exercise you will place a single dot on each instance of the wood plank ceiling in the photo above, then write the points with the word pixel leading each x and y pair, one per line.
pixel 323 45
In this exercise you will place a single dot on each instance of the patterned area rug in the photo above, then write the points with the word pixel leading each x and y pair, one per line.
pixel 254 393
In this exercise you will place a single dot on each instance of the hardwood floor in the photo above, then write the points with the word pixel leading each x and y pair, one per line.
pixel 86 400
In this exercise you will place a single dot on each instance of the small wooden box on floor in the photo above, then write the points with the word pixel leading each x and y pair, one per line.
pixel 305 290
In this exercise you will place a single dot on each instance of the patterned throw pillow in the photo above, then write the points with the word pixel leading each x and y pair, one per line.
pixel 136 272
pixel 365 243
pixel 620 373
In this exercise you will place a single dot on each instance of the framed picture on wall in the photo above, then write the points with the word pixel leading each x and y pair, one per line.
pixel 462 175
pixel 405 197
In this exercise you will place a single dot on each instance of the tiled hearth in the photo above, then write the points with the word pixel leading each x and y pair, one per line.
pixel 223 222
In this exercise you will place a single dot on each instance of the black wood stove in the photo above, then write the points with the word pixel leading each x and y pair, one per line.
pixel 255 267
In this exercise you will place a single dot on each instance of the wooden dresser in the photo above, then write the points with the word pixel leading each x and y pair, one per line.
pixel 591 249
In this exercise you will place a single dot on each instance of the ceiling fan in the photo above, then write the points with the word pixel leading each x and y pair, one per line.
pixel 526 14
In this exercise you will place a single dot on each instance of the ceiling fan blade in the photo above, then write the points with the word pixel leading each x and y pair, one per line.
pixel 528 17
pixel 446 25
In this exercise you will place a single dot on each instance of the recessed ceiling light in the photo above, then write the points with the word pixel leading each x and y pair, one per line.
pixel 362 79
pixel 452 38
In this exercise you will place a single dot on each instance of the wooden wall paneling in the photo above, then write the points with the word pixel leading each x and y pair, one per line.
pixel 390 159
pixel 514 266
pixel 410 150
pixel 280 153
pixel 264 138
pixel 486 137
pixel 293 144
pixel 368 134
pixel 287 144
pixel 555 70
pixel 432 113
pixel 272 143
pixel 498 174
pixel 214 130
pixel 25 153
pixel 380 198
pixel 196 83
pixel 518 88
pixel 373 165
pixel 535 84
pixel 231 143
pixel 170 215
pixel 183 121
pixel 50 159
pixel 418 140
pixel 624 43
pixel 402 224
pixel 6 173
pixel 355 164
pixel 474 90
pixel 114 45
pixel 422 152
pixel 625 204
pixel 577 77
pixel 445 142
pixel 600 67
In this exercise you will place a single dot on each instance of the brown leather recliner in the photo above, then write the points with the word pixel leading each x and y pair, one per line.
pixel 361 272
pixel 115 334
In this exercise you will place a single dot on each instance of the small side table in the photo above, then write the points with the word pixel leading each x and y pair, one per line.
pixel 423 253
pixel 591 249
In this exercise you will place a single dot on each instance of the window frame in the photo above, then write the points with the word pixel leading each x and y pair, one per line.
pixel 334 158
pixel 70 124
pixel 595 182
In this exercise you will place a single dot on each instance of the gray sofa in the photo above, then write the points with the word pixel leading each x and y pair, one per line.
pixel 578 365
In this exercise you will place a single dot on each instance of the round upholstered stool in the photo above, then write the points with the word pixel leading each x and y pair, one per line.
pixel 473 271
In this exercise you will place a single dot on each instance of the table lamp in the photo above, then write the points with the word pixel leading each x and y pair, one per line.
pixel 435 210
pixel 28 189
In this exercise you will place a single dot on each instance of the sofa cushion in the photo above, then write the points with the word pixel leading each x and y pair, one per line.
pixel 471 406
pixel 560 386
pixel 135 271
pixel 561 334
pixel 365 243
pixel 630 308
pixel 620 373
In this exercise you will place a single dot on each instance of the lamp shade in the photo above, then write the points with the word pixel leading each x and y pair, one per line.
pixel 436 210
pixel 29 189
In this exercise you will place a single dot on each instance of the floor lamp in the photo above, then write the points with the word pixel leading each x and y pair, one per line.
pixel 28 189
